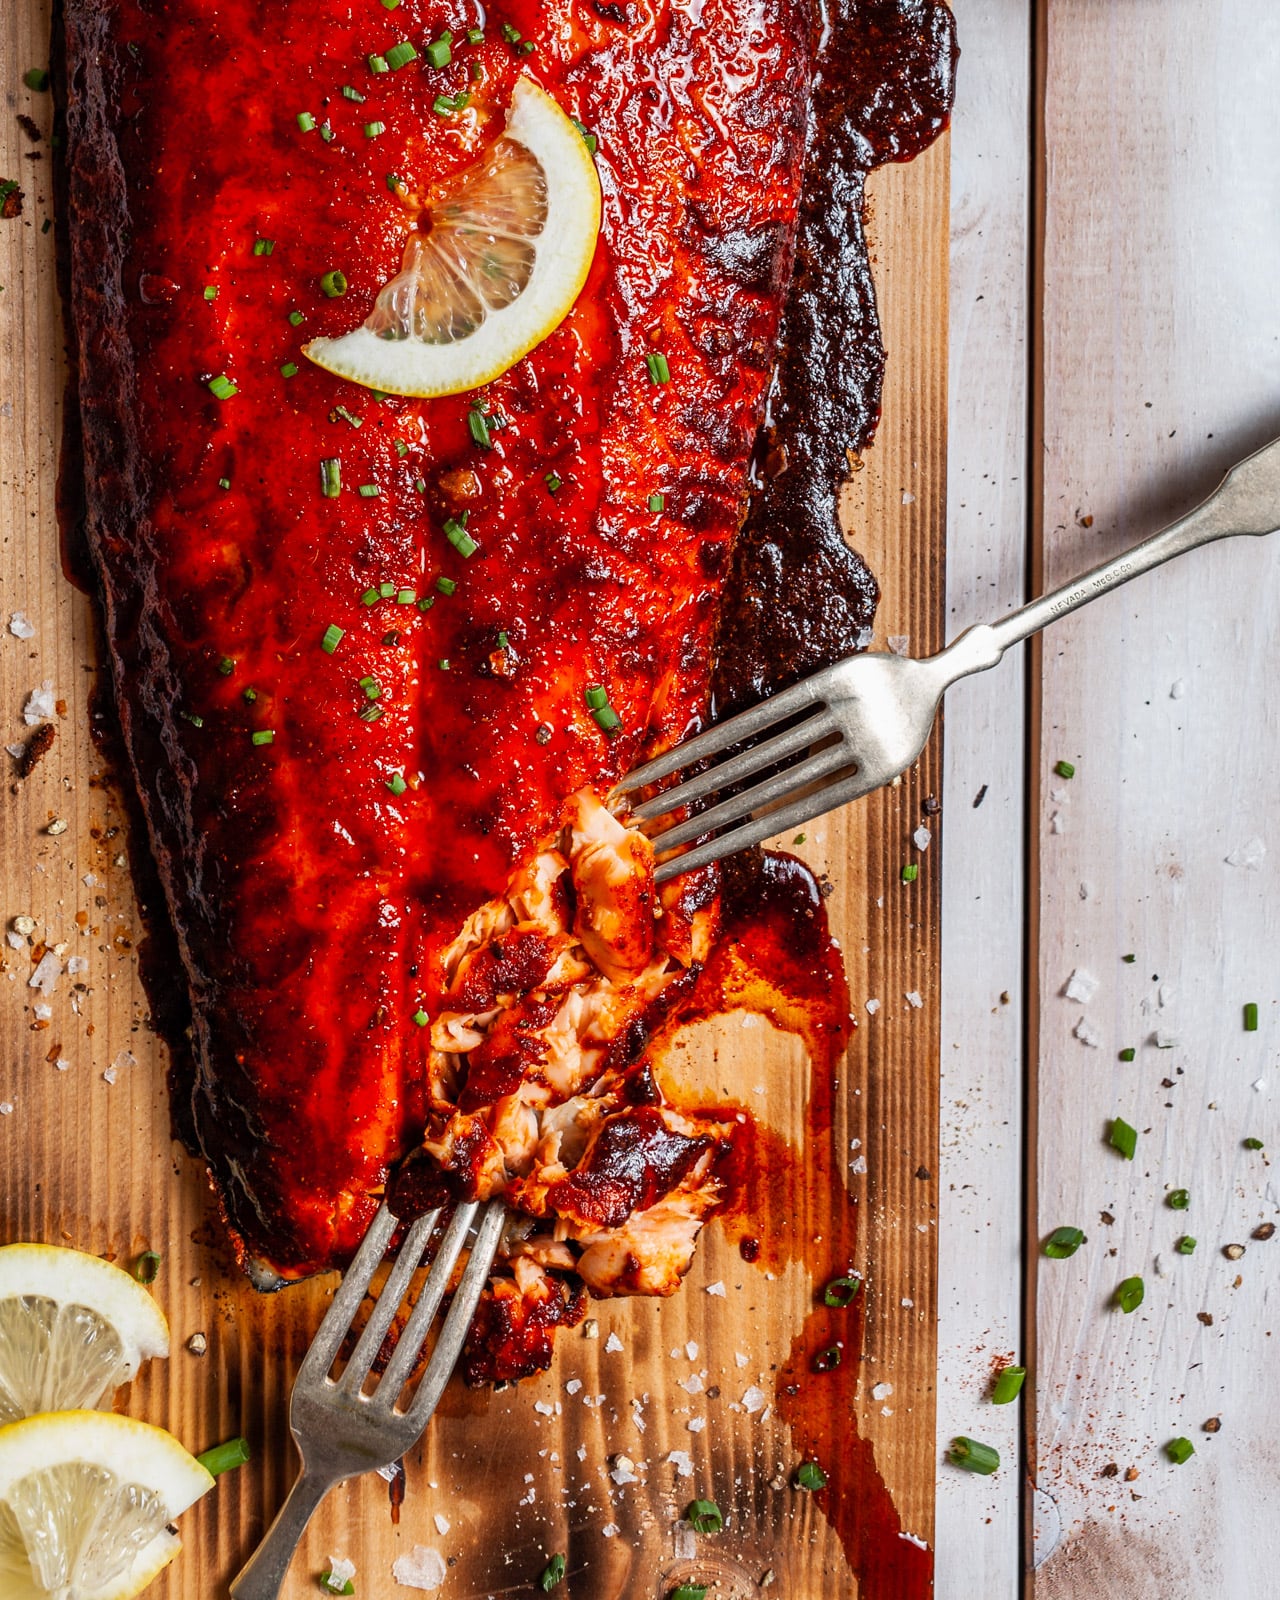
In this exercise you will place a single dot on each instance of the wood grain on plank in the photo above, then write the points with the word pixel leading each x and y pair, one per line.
pixel 502 1479
pixel 1161 368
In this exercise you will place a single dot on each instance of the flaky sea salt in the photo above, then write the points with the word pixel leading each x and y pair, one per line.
pixel 341 1573
pixel 1087 1034
pixel 914 999
pixel 6 1108
pixel 1057 823
pixel 741 1359
pixel 48 971
pixel 1177 689
pixel 423 1568
pixel 124 1061
pixel 754 1400
pixel 1081 986
pixel 611 1530
pixel 1249 855
pixel 21 626
pixel 921 837
pixel 697 1424
pixel 442 1524
pixel 692 1384
pixel 613 1345
pixel 691 1350
pixel 716 1289
pixel 882 1391
pixel 41 705
pixel 872 1007
pixel 682 1461
pixel 573 1385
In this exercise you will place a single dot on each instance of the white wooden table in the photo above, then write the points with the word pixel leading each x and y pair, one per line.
pixel 1115 336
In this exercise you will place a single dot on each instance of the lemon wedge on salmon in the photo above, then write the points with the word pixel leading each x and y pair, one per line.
pixel 73 1328
pixel 86 1499
pixel 494 265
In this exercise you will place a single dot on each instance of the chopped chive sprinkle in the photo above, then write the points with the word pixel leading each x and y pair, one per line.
pixel 1130 958
pixel 1063 1242
pixel 331 477
pixel 446 585
pixel 393 181
pixel 396 783
pixel 224 483
pixel 589 139
pixel 443 664
pixel 226 666
pixel 510 34
pixel 36 78
pixel 331 638
pixel 386 590
pixel 1251 1017
pixel 526 47
pixel 193 718
pixel 326 132
pixel 973 1456
pixel 552 481
pixel 250 695
pixel 222 387
pixel 503 641
pixel 455 532
pixel 211 291
pixel 1123 1138
pixel 147 1266
pixel 657 502
pixel 1008 1385
pixel 306 121
pixel 690 1591
pixel 406 597
pixel 841 1292
pixel 426 603
pixel 445 105
pixel 289 369
pixel 1179 1450
pixel 368 491
pixel 346 416
pixel 1129 1294
pixel 827 1360
pixel 1064 769
pixel 438 53
pixel 1178 1199
pixel 809 1475
pixel 371 714
pixel 348 93
pixel 595 696
pixel 421 1018
pixel 223 1457
pixel 704 1516
pixel 372 688
pixel 296 319
pixel 265 736
pixel 475 35
pixel 659 371
pixel 1186 1245
pixel 1253 1144
pixel 334 283
pixel 400 55
pixel 910 872
pixel 373 129
pixel 402 449
pixel 378 64
pixel 391 4
pixel 263 247
pixel 1128 1053
pixel 420 485
pixel 552 1574
pixel 379 395
pixel 369 597
pixel 330 1584
pixel 478 424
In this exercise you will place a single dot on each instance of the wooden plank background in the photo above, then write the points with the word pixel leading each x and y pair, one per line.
pixel 86 1159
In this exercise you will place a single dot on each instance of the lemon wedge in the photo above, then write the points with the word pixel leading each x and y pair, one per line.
pixel 86 1499
pixel 72 1329
pixel 494 265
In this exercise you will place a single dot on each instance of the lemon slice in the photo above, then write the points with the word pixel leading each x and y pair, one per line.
pixel 72 1329
pixel 495 264
pixel 85 1503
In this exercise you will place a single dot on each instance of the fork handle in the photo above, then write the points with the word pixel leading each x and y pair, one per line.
pixel 262 1577
pixel 1246 501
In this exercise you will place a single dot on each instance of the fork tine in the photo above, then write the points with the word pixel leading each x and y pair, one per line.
pixel 413 1336
pixel 347 1297
pixel 744 765
pixel 375 1330
pixel 454 1333
pixel 738 807
pixel 746 725
pixel 829 798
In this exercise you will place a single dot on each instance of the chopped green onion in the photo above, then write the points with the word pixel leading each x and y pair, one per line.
pixel 289 369
pixel 479 427
pixel 330 1584
pixel 973 1456
pixel 526 47
pixel 809 1475
pixel 36 78
pixel 391 4
pixel 1251 1017
pixel 296 319
pixel 379 395
pixel 250 695
pixel 332 638
pixel 400 55
pixel 841 1292
pixel 348 93
pixel 1128 1053
pixel 1064 769
pixel 396 783
pixel 346 416
pixel 402 449
pixel 438 53
pixel 222 387
pixel 910 872
pixel 446 585
pixel 369 597
pixel 210 291
pixel 552 1575
pixel 475 35
pixel 1129 959
pixel 265 736
pixel 828 1360
pixel 331 477
pixel 234 1453
pixel 1129 1294
pixel 589 139
pixel 1008 1387
pixel 191 717
pixel 443 664
pixel 386 590
pixel 552 481
pixel 595 696
pixel 334 283
pixel 1186 1245
pixel 368 491
pixel 444 105
pixel 226 666
pixel 372 688
pixel 378 64
pixel 510 34
pixel 426 603
pixel 1178 1199
pixel 455 532
pixel 659 371
pixel 373 129
pixel 263 247
pixel 371 714
pixel 503 641
pixel 393 181
pixel 147 1266
pixel 326 132
pixel 406 597
pixel 1253 1144
pixel 1123 1138
pixel 1179 1450
pixel 657 502
pixel 1063 1242
pixel 306 121
pixel 690 1591
pixel 224 483
pixel 704 1516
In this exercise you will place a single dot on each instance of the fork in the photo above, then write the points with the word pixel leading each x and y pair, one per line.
pixel 341 1431
pixel 855 726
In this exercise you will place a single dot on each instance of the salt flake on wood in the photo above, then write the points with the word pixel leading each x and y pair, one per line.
pixel 21 626
pixel 1081 986
pixel 423 1568
pixel 1249 855
pixel 41 705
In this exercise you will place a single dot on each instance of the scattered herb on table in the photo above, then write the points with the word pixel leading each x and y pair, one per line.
pixel 973 1456
pixel 1063 1242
